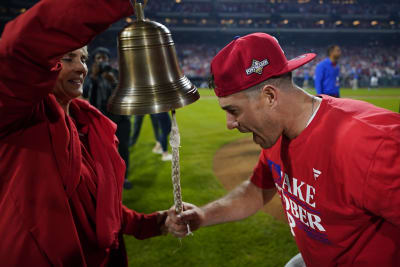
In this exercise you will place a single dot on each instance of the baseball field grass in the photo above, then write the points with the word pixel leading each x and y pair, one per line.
pixel 257 241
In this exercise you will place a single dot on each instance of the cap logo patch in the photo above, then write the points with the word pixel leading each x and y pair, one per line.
pixel 257 66
pixel 299 57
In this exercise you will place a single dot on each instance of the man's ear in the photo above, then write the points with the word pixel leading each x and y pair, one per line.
pixel 269 94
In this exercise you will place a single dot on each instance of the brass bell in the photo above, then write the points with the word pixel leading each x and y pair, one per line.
pixel 150 79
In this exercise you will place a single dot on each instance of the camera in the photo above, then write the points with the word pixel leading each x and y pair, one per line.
pixel 104 67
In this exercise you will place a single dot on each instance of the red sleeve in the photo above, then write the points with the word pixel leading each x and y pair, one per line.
pixel 32 44
pixel 262 176
pixel 140 225
pixel 382 188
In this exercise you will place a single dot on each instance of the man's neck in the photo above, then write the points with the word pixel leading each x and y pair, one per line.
pixel 300 113
pixel 333 60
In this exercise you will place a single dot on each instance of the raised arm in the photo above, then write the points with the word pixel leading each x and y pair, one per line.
pixel 32 44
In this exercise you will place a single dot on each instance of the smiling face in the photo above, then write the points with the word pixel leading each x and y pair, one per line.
pixel 255 114
pixel 70 79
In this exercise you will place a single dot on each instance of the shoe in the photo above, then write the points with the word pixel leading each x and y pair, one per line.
pixel 127 185
pixel 166 157
pixel 157 149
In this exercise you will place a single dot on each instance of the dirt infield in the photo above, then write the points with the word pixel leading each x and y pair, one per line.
pixel 234 163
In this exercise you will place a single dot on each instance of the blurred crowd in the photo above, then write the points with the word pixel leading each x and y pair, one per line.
pixel 311 7
pixel 195 59
pixel 358 63
pixel 306 8
pixel 276 14
pixel 355 63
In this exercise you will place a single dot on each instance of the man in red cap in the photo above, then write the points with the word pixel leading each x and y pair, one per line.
pixel 334 162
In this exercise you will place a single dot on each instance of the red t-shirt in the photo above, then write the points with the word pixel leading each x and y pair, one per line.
pixel 339 183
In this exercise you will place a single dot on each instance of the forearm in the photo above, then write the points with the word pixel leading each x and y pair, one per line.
pixel 143 226
pixel 240 203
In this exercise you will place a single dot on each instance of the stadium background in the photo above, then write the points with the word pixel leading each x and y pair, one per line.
pixel 368 32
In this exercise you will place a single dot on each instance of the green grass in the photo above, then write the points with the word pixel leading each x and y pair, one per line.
pixel 257 241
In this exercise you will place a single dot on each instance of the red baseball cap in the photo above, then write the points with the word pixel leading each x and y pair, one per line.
pixel 250 60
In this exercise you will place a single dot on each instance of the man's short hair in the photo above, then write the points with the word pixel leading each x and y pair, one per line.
pixel 330 49
pixel 283 81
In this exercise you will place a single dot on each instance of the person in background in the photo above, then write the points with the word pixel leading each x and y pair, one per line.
pixel 306 75
pixel 61 176
pixel 137 126
pixel 98 87
pixel 373 81
pixel 161 123
pixel 164 129
pixel 355 73
pixel 327 73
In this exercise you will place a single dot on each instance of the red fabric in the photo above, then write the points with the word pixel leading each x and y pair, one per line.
pixel 47 215
pixel 339 182
pixel 250 60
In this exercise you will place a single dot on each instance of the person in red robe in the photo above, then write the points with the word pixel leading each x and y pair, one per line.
pixel 61 176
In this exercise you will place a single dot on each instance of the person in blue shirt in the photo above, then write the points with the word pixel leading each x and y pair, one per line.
pixel 327 73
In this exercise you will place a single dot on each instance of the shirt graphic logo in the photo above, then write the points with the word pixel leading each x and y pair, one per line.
pixel 257 66
pixel 316 173
pixel 300 202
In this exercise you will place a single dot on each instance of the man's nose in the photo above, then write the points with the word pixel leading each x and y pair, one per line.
pixel 231 122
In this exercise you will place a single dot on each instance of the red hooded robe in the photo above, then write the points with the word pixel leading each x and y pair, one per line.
pixel 60 195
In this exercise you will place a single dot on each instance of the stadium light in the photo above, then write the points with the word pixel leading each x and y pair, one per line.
pixel 178 1
pixel 374 23
pixel 228 21
pixel 339 22
pixel 321 22
pixel 392 22
pixel 128 20
pixel 203 21
pixel 22 10
pixel 267 21
pixel 356 22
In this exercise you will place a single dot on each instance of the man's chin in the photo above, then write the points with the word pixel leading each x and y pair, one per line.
pixel 264 146
pixel 259 141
